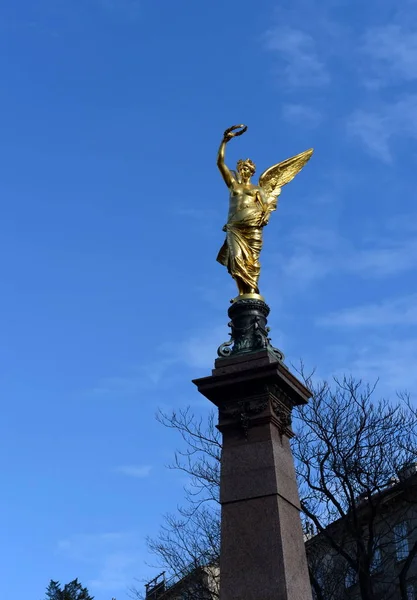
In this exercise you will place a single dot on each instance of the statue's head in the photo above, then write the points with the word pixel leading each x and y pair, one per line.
pixel 246 168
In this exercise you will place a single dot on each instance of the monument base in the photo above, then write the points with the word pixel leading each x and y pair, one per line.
pixel 262 548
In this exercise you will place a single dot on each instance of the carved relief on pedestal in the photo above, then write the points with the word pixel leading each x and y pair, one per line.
pixel 243 410
pixel 282 406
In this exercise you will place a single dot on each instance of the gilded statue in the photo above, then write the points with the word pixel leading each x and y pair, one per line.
pixel 250 207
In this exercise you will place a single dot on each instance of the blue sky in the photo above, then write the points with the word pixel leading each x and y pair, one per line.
pixel 111 114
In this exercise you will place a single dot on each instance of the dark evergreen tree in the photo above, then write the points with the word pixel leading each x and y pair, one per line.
pixel 53 591
pixel 71 591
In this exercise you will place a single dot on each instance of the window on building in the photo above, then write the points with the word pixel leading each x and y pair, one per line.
pixel 376 564
pixel 401 540
pixel 411 592
pixel 350 577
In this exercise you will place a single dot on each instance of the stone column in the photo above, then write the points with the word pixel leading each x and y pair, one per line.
pixel 262 548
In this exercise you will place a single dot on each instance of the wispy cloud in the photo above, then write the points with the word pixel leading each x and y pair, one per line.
pixel 386 258
pixel 135 379
pixel 195 351
pixel 305 267
pixel 122 386
pixel 392 51
pixel 116 572
pixel 392 361
pixel 199 349
pixel 373 131
pixel 395 311
pixel 389 59
pixel 308 255
pixel 311 254
pixel 380 355
pixel 301 113
pixel 79 546
pixel 299 62
pixel 138 471
pixel 114 557
pixel 378 128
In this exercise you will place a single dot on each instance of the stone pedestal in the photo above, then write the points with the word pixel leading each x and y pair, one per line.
pixel 262 549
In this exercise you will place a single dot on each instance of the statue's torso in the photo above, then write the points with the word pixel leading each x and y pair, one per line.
pixel 244 206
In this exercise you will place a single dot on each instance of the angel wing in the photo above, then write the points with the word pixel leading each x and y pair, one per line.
pixel 279 175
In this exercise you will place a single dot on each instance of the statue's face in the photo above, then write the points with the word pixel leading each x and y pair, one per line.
pixel 245 172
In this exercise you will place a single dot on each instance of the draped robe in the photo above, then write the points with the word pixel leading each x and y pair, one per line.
pixel 242 246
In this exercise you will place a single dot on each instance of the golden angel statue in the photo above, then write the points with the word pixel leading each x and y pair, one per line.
pixel 250 207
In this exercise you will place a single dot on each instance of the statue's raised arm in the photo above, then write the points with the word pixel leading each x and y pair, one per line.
pixel 250 207
pixel 228 175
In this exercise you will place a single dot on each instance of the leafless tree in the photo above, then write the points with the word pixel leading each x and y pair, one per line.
pixel 188 543
pixel 350 453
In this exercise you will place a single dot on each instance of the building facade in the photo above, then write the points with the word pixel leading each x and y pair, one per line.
pixel 385 549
